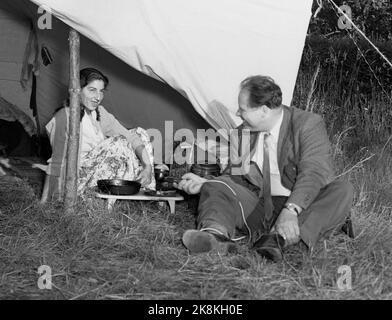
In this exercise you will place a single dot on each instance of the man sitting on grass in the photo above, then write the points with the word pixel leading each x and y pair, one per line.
pixel 282 191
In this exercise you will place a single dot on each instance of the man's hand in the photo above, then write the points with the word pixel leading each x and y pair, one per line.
pixel 145 176
pixel 191 183
pixel 287 226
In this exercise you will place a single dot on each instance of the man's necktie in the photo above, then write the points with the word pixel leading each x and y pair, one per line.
pixel 268 206
pixel 260 219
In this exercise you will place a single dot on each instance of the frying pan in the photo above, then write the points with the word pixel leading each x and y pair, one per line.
pixel 119 186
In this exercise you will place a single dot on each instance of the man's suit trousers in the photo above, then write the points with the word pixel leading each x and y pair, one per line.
pixel 226 205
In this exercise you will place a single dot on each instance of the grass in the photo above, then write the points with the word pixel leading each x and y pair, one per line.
pixel 136 252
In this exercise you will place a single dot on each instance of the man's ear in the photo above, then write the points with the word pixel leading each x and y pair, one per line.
pixel 276 100
pixel 265 109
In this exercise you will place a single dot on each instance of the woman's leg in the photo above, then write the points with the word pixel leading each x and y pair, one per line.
pixel 113 158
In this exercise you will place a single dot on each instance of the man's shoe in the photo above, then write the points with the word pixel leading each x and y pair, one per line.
pixel 348 228
pixel 270 246
pixel 197 241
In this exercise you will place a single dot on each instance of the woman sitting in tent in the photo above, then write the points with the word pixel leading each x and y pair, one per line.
pixel 107 150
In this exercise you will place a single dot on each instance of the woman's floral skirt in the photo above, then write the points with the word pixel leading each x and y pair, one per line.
pixel 114 158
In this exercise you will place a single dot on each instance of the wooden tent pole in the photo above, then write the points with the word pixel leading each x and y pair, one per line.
pixel 74 124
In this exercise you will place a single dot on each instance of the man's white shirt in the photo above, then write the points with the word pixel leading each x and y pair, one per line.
pixel 277 189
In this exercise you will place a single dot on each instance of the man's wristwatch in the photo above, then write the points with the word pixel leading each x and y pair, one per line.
pixel 292 207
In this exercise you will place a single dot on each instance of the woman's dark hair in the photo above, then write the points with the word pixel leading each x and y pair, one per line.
pixel 262 91
pixel 86 76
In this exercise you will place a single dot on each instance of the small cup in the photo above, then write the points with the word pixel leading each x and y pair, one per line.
pixel 160 174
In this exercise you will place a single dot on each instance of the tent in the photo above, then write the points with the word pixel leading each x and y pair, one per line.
pixel 172 60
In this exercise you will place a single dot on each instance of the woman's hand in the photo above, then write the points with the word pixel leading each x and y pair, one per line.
pixel 191 183
pixel 144 176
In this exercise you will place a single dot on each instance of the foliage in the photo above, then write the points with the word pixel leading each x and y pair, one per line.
pixel 373 17
pixel 343 77
pixel 336 81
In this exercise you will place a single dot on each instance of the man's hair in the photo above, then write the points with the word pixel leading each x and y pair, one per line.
pixel 262 91
pixel 88 75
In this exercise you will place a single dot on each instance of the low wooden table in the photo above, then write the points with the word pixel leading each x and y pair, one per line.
pixel 111 199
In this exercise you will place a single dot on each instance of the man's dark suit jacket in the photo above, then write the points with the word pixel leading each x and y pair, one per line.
pixel 304 157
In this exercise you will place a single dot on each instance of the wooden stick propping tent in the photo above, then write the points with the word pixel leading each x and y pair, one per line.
pixel 70 197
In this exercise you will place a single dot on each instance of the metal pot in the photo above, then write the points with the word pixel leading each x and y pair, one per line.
pixel 119 186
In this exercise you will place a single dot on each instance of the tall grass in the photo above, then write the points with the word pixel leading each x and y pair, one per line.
pixel 336 81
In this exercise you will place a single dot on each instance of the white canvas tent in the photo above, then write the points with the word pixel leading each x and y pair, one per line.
pixel 202 49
